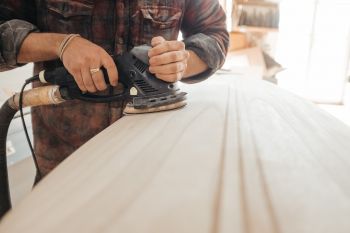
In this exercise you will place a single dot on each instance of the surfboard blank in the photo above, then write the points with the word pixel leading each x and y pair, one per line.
pixel 242 156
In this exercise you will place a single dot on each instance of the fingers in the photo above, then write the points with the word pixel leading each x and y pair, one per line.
pixel 81 56
pixel 108 63
pixel 79 80
pixel 172 72
pixel 99 81
pixel 171 68
pixel 171 78
pixel 166 58
pixel 166 46
pixel 93 80
pixel 87 80
pixel 157 40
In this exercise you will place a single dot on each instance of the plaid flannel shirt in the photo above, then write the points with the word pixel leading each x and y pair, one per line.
pixel 117 26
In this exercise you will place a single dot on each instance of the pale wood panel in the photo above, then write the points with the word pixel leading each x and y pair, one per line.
pixel 292 161
pixel 243 156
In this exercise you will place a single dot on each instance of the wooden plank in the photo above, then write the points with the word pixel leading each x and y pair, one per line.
pixel 243 156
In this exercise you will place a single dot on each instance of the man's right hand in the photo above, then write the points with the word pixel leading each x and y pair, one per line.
pixel 80 56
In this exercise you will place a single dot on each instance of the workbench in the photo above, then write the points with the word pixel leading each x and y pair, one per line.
pixel 242 156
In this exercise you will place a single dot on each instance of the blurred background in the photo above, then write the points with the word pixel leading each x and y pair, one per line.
pixel 300 45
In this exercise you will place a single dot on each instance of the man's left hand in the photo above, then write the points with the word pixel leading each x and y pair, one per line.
pixel 168 59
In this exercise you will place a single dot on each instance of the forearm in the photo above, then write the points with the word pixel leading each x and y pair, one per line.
pixel 204 32
pixel 195 65
pixel 79 56
pixel 40 47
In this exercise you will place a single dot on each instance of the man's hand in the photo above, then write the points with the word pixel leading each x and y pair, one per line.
pixel 81 56
pixel 168 59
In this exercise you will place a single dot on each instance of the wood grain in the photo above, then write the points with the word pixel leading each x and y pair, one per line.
pixel 242 156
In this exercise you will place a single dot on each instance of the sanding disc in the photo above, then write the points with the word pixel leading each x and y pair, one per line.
pixel 129 109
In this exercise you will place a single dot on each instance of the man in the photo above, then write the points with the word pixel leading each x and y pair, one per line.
pixel 41 31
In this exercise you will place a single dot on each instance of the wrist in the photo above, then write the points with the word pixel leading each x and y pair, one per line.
pixel 38 47
pixel 64 44
pixel 56 40
pixel 195 65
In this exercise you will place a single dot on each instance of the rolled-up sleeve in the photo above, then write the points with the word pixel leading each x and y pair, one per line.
pixel 17 20
pixel 12 34
pixel 204 31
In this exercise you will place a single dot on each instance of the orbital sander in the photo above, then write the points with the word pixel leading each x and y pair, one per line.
pixel 143 92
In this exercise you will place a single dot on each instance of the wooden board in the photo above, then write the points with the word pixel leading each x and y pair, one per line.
pixel 243 156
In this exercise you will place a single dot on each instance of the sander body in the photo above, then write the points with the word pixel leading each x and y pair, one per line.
pixel 143 92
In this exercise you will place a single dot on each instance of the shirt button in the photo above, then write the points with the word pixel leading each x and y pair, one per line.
pixel 120 41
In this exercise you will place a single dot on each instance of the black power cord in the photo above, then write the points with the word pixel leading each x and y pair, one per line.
pixel 38 175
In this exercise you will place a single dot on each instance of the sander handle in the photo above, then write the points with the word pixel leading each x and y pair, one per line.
pixel 70 90
pixel 61 77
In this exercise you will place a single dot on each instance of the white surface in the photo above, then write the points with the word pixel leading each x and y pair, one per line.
pixel 243 156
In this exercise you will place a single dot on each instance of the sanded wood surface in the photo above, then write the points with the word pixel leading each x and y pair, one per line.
pixel 242 156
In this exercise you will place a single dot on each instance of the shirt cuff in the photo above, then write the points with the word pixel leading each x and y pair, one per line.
pixel 208 50
pixel 12 35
